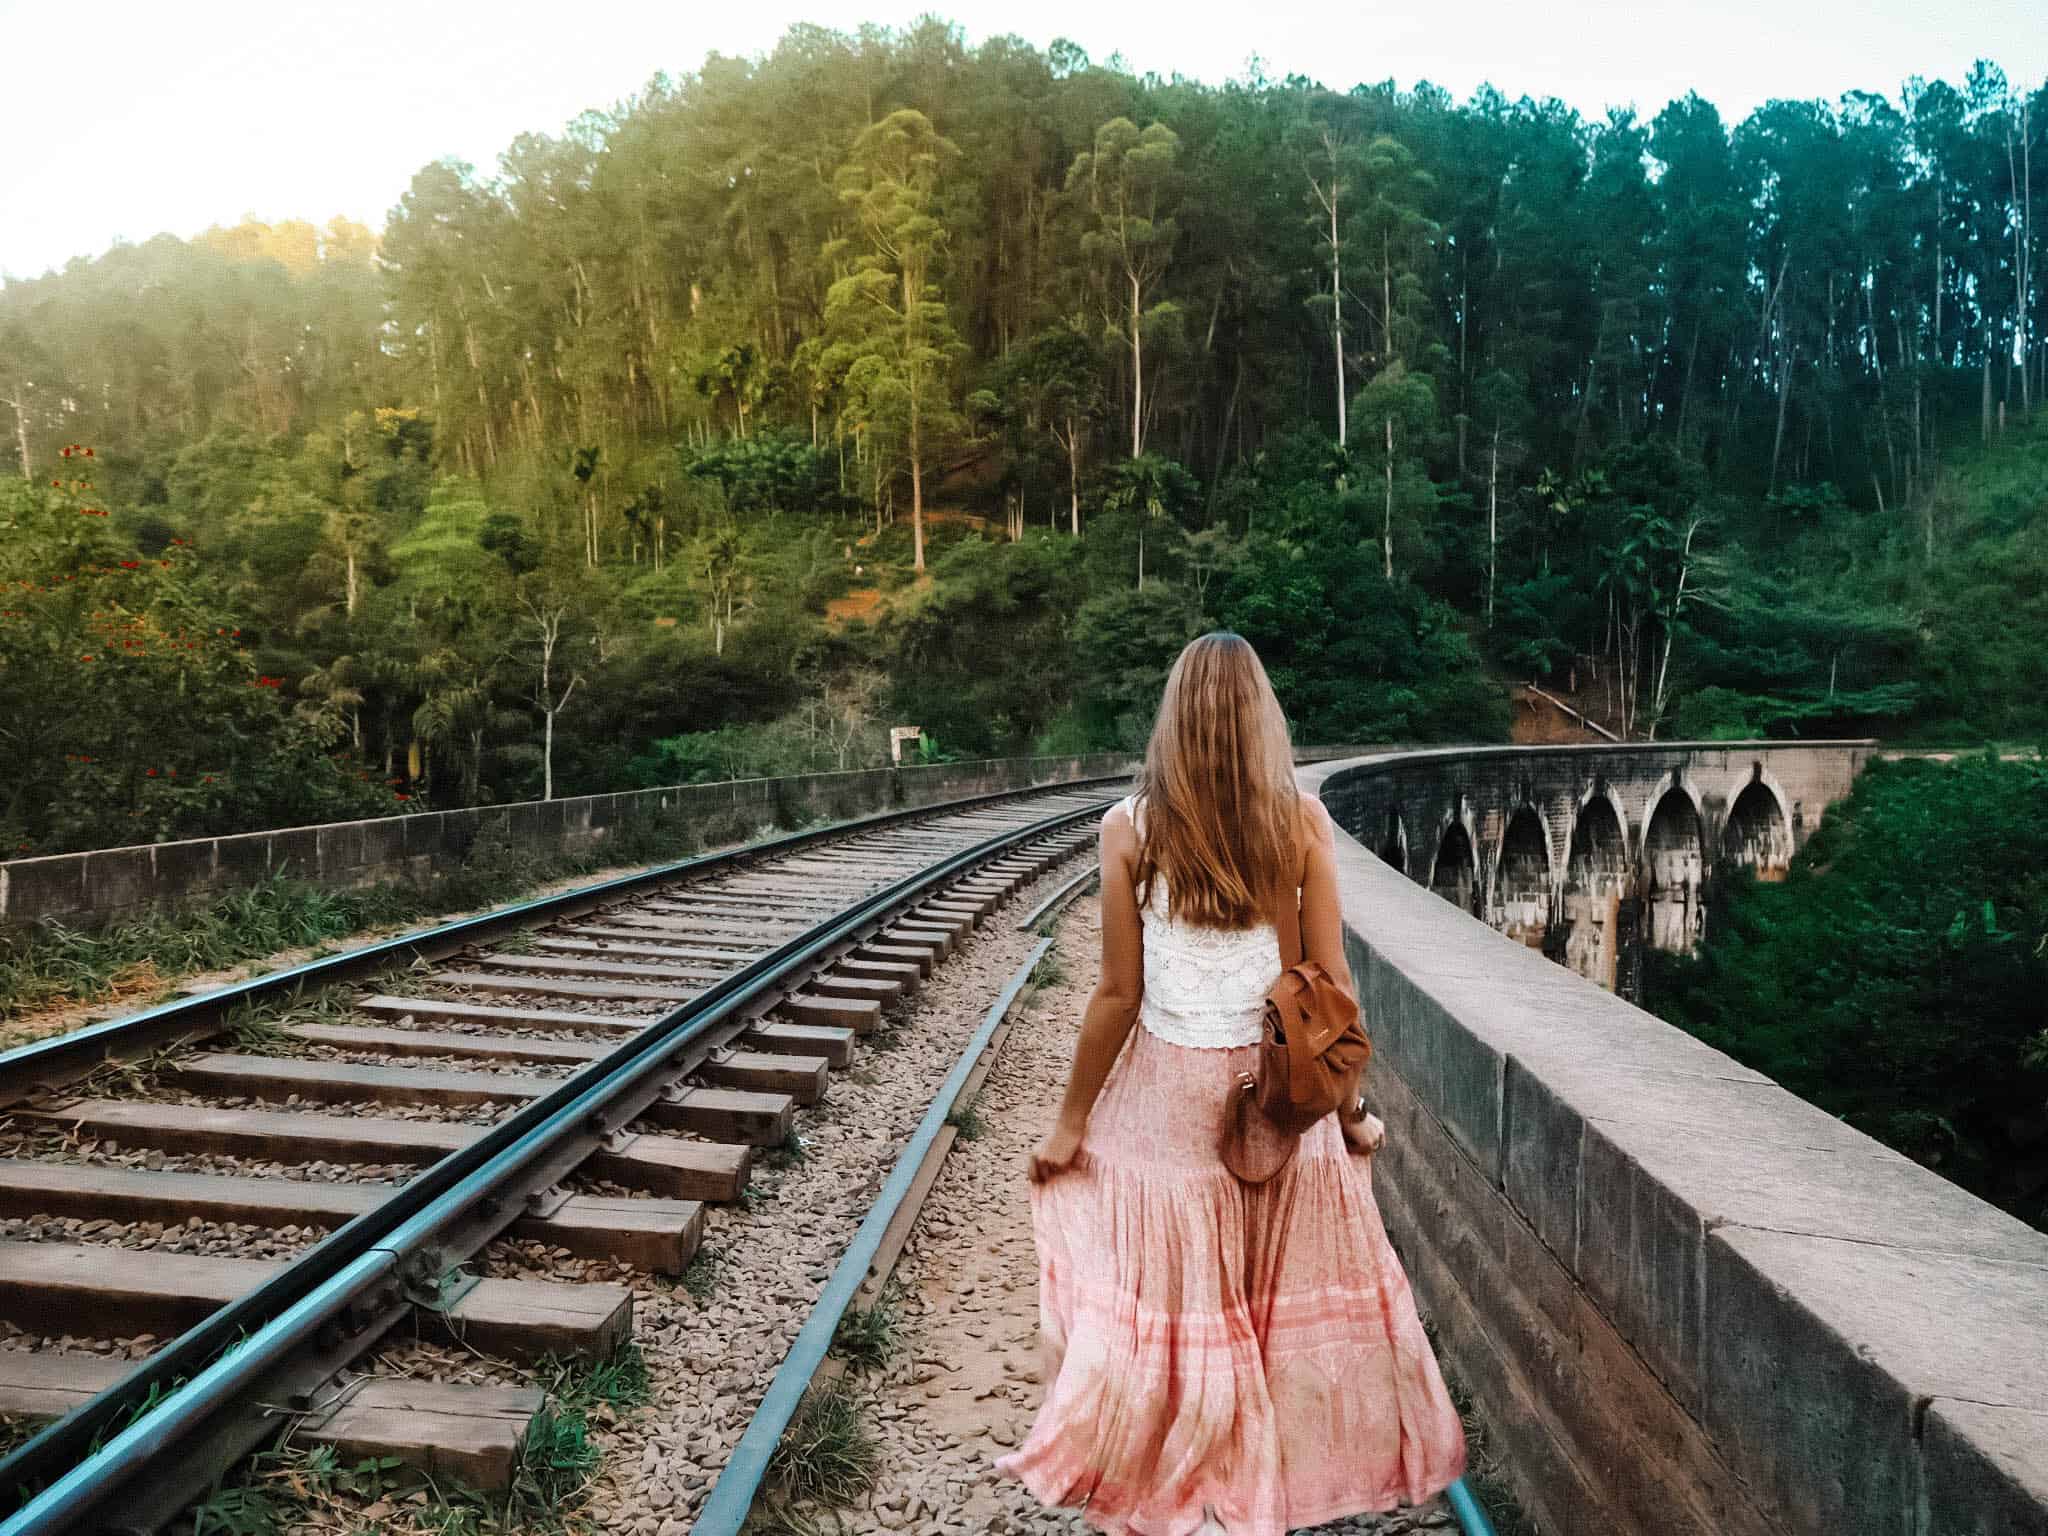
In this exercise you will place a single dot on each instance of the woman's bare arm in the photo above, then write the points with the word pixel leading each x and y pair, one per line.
pixel 1112 1008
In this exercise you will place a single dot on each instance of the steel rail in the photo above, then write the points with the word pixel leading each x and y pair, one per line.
pixel 357 1271
pixel 47 1065
pixel 1057 900
pixel 732 1496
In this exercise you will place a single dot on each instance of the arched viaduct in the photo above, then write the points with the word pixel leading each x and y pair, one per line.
pixel 1685 1301
pixel 1583 852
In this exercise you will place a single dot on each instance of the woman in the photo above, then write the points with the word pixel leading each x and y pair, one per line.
pixel 1220 1356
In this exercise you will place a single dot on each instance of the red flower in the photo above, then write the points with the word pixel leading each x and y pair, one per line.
pixel 67 453
pixel 88 453
pixel 152 773
pixel 404 797
pixel 85 658
pixel 131 565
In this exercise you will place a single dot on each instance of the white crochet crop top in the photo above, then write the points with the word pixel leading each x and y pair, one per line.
pixel 1204 987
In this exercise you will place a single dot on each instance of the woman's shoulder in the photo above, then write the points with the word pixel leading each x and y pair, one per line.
pixel 1120 821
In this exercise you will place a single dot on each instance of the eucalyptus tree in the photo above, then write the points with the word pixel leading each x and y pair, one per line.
pixel 1127 183
pixel 890 305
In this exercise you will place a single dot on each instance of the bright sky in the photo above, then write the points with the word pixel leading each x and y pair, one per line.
pixel 121 118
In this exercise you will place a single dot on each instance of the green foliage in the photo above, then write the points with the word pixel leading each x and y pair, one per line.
pixel 1355 657
pixel 770 472
pixel 1125 642
pixel 619 1381
pixel 828 1455
pixel 1895 977
pixel 927 291
pixel 867 1337
pixel 700 1275
pixel 966 1119
pixel 983 654
pixel 558 1459
pixel 131 702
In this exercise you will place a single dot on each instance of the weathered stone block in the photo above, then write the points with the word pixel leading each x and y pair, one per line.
pixel 1984 1470
pixel 549 824
pixel 522 821
pixel 1471 1076
pixel 426 836
pixel 295 853
pixel 119 879
pixel 340 850
pixel 1540 1161
pixel 490 827
pixel 185 871
pixel 383 847
pixel 1820 1351
pixel 43 888
pixel 1639 1257
pixel 241 861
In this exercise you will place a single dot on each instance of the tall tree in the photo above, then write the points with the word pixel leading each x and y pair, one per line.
pixel 1127 180
pixel 890 304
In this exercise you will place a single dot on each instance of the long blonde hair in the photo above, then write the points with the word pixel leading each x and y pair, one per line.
pixel 1221 817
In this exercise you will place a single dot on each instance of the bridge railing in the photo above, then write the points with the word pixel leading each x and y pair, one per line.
pixel 103 886
pixel 1686 1300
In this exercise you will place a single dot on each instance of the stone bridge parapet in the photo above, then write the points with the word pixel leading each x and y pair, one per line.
pixel 1688 1302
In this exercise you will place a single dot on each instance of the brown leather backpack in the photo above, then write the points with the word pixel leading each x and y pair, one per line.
pixel 1311 1047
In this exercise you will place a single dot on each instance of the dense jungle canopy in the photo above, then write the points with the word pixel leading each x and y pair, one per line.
pixel 886 380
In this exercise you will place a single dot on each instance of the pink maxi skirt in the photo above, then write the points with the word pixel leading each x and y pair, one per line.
pixel 1214 1346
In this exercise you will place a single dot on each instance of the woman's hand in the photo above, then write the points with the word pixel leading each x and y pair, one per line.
pixel 1055 1153
pixel 1365 1135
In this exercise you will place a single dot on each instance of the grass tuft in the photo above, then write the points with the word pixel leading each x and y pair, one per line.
pixel 620 1381
pixel 700 1275
pixel 966 1119
pixel 827 1455
pixel 559 1458
pixel 867 1339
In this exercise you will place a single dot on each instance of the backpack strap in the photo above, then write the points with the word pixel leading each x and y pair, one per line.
pixel 1287 922
pixel 1289 929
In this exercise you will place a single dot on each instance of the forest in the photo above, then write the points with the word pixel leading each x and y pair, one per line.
pixel 1895 978
pixel 887 380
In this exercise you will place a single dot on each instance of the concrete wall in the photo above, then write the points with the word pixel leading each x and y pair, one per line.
pixel 1686 1301
pixel 88 890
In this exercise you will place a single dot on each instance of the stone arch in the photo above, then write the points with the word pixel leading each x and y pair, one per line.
pixel 1596 880
pixel 1758 832
pixel 1674 864
pixel 1393 844
pixel 1522 883
pixel 1454 872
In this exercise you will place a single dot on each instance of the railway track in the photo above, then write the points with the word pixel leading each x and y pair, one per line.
pixel 209 1211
